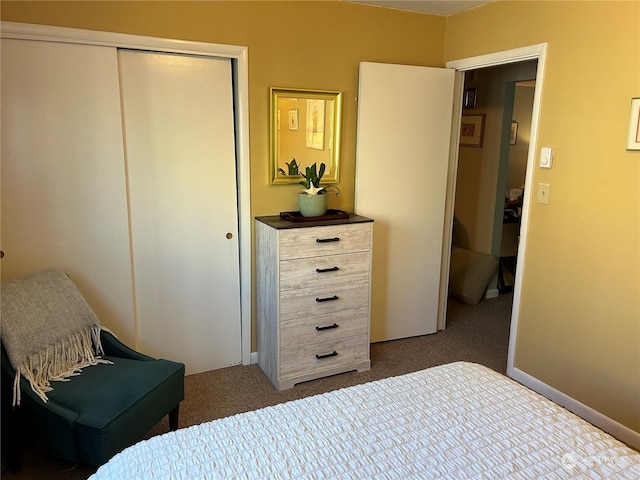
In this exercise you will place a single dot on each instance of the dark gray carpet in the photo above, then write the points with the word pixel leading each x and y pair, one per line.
pixel 475 333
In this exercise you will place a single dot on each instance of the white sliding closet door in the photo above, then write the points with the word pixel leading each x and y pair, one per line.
pixel 63 180
pixel 404 131
pixel 180 153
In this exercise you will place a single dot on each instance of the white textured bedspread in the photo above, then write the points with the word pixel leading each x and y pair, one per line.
pixel 455 421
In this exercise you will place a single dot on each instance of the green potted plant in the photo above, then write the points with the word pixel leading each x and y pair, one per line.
pixel 313 200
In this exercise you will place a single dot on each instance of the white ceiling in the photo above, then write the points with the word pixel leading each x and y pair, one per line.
pixel 441 7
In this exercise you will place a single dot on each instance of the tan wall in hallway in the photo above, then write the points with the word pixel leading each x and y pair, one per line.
pixel 579 326
pixel 477 188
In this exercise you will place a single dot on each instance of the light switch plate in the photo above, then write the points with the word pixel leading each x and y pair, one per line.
pixel 543 193
pixel 546 157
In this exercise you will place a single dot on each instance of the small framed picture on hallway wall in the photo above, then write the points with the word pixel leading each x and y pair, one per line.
pixel 472 130
pixel 470 97
pixel 633 137
pixel 514 133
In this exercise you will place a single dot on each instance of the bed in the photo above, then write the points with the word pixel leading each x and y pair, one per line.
pixel 459 420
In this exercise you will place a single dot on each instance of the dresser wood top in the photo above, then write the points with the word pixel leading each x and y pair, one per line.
pixel 279 223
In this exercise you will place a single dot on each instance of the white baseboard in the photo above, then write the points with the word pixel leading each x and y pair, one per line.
pixel 254 357
pixel 622 433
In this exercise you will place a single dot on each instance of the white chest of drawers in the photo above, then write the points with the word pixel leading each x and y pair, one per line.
pixel 313 295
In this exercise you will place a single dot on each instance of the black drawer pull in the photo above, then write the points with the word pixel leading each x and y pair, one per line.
pixel 325 270
pixel 327 327
pixel 327 355
pixel 327 299
pixel 327 240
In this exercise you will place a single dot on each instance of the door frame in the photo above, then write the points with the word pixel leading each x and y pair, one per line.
pixel 532 52
pixel 239 56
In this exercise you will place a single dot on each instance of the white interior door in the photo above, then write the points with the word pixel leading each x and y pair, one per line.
pixel 63 179
pixel 404 131
pixel 180 150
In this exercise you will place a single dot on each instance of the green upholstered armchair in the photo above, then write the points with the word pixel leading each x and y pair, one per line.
pixel 92 416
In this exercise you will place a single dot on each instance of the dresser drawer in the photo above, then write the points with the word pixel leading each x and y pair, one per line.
pixel 318 271
pixel 317 241
pixel 321 328
pixel 313 358
pixel 321 300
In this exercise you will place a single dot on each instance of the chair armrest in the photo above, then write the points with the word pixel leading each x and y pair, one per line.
pixel 113 346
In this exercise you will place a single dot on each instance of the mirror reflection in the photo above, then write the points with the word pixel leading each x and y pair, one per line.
pixel 305 129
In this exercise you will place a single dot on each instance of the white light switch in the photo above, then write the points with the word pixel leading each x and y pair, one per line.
pixel 546 157
pixel 543 193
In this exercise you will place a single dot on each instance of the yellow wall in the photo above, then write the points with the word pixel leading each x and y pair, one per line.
pixel 580 310
pixel 311 45
pixel 579 326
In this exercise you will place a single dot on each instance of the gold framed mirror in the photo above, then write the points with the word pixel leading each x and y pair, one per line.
pixel 304 125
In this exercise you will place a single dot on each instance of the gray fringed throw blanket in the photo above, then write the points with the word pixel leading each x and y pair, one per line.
pixel 48 330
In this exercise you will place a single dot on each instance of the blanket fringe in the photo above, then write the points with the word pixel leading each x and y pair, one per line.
pixel 58 362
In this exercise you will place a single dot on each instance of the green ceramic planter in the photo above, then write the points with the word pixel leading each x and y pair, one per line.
pixel 312 205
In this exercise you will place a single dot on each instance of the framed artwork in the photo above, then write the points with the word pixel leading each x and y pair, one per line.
pixel 514 133
pixel 633 136
pixel 470 97
pixel 472 130
pixel 293 119
pixel 310 133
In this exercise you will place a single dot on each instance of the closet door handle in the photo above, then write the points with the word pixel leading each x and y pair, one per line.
pixel 325 270
pixel 327 240
pixel 327 299
pixel 327 355
pixel 327 327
